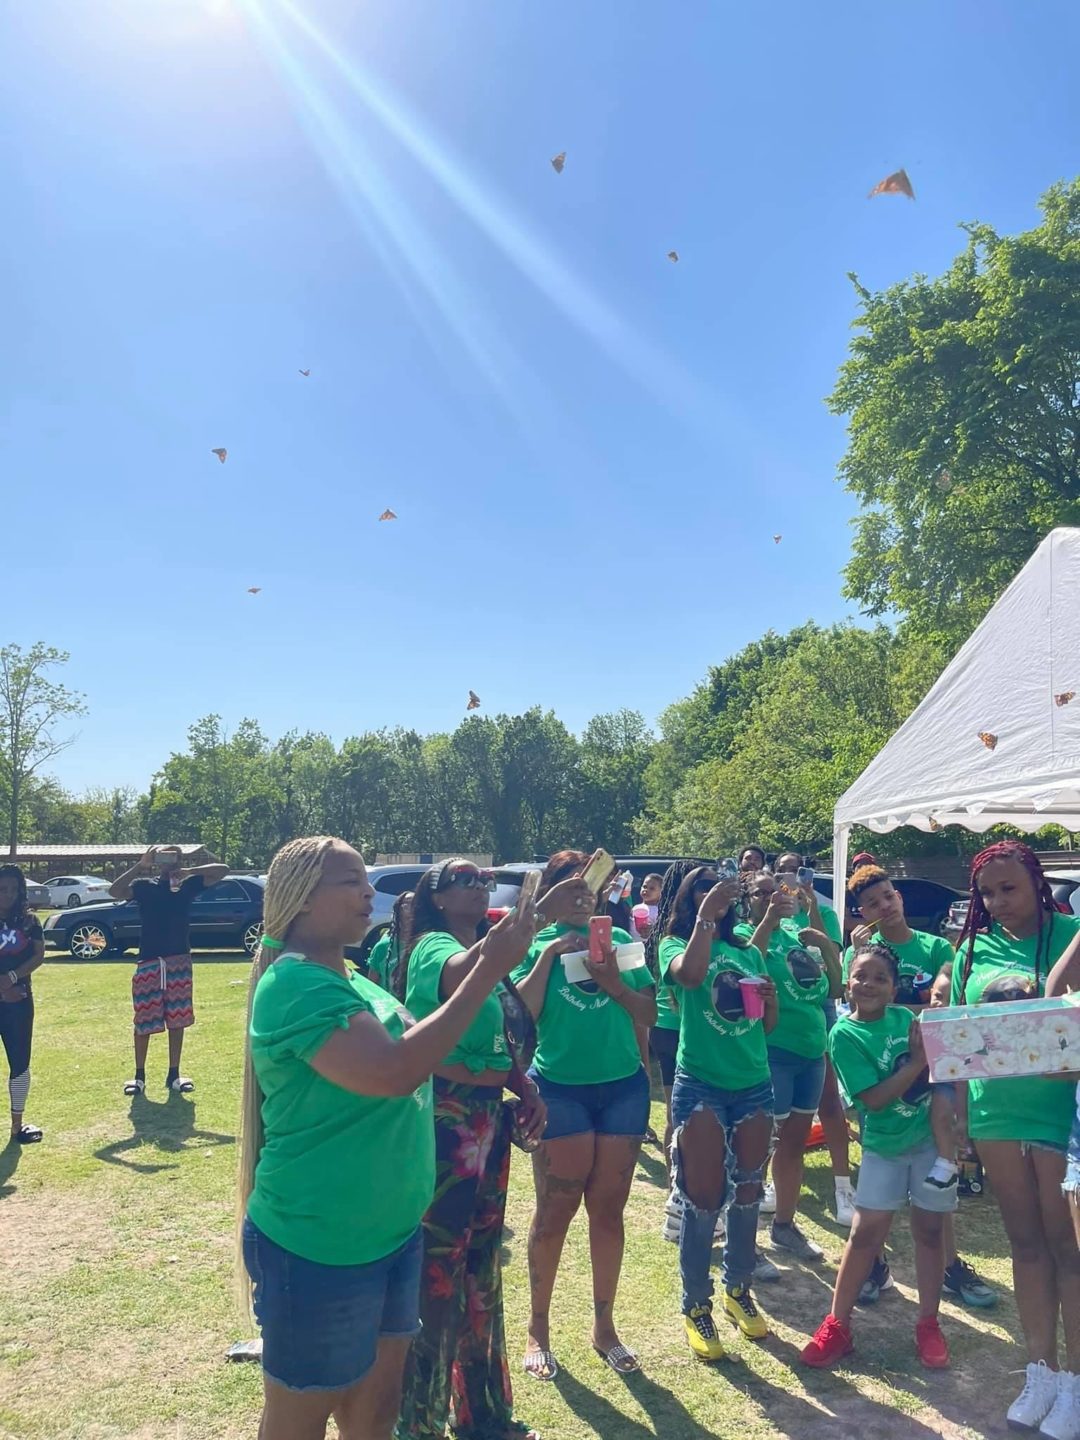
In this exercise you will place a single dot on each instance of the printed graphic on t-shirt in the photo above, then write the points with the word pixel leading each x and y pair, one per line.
pixel 806 969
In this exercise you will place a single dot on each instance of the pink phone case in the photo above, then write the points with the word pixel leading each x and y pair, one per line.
pixel 599 937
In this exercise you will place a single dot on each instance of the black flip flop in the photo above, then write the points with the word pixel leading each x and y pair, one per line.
pixel 30 1135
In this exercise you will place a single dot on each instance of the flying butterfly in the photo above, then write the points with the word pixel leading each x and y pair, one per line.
pixel 254 589
pixel 1064 697
pixel 776 539
pixel 388 515
pixel 935 825
pixel 474 701
pixel 895 184
pixel 305 372
pixel 222 455
pixel 558 162
pixel 990 741
pixel 673 256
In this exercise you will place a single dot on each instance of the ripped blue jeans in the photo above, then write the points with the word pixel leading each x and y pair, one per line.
pixel 731 1108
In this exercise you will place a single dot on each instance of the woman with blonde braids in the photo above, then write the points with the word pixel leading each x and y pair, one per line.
pixel 337 1162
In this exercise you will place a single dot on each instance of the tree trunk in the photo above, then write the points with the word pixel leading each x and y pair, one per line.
pixel 13 816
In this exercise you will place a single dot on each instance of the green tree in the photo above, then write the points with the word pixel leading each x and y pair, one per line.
pixel 963 401
pixel 613 758
pixel 218 792
pixel 31 705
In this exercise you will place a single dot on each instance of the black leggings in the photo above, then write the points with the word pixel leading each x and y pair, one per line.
pixel 17 1033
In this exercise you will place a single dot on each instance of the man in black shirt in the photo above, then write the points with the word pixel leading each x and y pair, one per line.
pixel 161 985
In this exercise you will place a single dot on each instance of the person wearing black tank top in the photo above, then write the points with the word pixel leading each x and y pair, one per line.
pixel 22 949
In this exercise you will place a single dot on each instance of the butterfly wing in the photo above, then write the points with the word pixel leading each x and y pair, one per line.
pixel 388 515
pixel 558 162
pixel 474 701
pixel 221 455
pixel 990 741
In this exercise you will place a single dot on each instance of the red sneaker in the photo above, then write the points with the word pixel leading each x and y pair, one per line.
pixel 832 1341
pixel 930 1343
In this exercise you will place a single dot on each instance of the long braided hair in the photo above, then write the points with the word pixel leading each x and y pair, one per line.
pixel 674 875
pixel 294 873
pixel 979 920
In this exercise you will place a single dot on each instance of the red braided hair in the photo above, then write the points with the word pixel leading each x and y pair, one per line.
pixel 979 920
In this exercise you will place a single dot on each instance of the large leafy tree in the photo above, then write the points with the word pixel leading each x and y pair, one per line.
pixel 963 401
pixel 32 704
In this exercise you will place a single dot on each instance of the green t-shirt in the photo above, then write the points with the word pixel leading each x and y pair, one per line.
pixel 923 954
pixel 1035 1107
pixel 314 1194
pixel 583 1036
pixel 483 1046
pixel 717 1043
pixel 383 959
pixel 864 1053
pixel 800 1027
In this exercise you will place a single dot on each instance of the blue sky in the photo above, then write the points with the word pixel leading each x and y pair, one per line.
pixel 589 448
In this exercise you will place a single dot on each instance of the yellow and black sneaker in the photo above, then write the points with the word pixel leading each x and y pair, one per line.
pixel 701 1333
pixel 740 1309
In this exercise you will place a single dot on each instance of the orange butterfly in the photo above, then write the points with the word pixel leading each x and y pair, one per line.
pixel 990 741
pixel 388 515
pixel 474 701
pixel 934 824
pixel 558 163
pixel 673 256
pixel 305 372
pixel 1064 697
pixel 777 539
pixel 895 184
pixel 254 589
pixel 221 455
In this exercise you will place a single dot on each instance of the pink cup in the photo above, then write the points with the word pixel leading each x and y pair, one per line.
pixel 752 999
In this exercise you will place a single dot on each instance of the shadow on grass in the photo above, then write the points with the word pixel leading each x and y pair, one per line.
pixel 9 1163
pixel 669 1416
pixel 166 1126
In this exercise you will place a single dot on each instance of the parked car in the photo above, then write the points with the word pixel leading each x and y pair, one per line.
pixel 224 916
pixel 37 897
pixel 67 891
pixel 955 920
pixel 926 902
pixel 1065 885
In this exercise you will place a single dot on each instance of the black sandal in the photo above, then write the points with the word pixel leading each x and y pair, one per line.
pixel 29 1135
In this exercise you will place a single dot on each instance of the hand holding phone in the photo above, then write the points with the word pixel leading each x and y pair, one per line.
pixel 598 871
pixel 529 886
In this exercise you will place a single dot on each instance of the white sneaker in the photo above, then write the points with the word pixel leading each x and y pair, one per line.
pixel 1036 1400
pixel 1063 1422
pixel 768 1201
pixel 845 1201
pixel 671 1225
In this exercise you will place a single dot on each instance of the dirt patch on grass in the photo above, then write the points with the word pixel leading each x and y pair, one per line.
pixel 54 1236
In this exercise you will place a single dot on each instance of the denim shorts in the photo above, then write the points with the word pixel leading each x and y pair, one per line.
pixel 1072 1168
pixel 613 1107
pixel 730 1107
pixel 664 1044
pixel 321 1324
pixel 887 1182
pixel 797 1082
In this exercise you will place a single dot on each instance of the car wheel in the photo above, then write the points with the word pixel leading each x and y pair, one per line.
pixel 252 936
pixel 89 941
pixel 73 901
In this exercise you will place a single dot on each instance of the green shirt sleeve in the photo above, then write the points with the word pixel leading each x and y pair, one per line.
pixel 849 955
pixel 670 946
pixel 854 1068
pixel 426 963
pixel 298 1006
pixel 941 954
pixel 377 960
pixel 831 921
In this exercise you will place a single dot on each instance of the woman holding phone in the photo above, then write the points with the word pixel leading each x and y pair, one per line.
pixel 722 1099
pixel 589 1072
pixel 337 1086
pixel 457 1366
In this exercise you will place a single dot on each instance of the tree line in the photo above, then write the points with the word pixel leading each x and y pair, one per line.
pixel 962 400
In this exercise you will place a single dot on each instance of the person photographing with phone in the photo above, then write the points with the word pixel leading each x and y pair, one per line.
pixel 161 987
pixel 588 1069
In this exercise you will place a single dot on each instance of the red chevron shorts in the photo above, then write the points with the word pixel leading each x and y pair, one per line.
pixel 161 994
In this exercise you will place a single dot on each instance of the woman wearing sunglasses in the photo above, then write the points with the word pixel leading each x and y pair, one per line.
pixel 458 1362
pixel 589 1071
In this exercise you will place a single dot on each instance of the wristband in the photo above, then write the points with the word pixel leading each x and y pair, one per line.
pixel 706 924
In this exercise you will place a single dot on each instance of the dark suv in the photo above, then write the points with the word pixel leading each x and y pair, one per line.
pixel 227 916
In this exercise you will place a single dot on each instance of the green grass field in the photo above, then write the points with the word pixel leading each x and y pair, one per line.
pixel 116 1289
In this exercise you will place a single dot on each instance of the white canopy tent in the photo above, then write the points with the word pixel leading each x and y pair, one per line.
pixel 1004 682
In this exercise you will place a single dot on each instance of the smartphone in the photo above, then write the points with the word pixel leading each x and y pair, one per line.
pixel 165 858
pixel 727 869
pixel 598 871
pixel 599 937
pixel 805 875
pixel 529 886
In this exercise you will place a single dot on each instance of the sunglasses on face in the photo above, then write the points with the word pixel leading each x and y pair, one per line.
pixel 471 880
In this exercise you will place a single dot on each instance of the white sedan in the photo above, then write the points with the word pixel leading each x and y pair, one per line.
pixel 67 891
